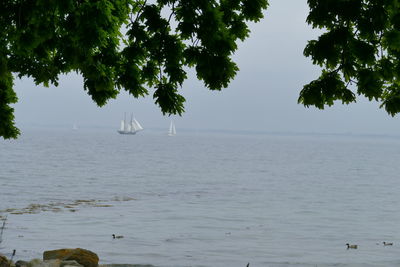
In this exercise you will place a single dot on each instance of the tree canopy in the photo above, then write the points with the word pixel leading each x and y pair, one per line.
pixel 132 45
pixel 360 48
pixel 144 47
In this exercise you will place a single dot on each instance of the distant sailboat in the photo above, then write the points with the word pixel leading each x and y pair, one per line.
pixel 172 130
pixel 131 127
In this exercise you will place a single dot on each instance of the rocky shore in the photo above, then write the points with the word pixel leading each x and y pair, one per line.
pixel 66 257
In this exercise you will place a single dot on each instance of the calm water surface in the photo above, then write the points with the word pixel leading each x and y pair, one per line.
pixel 203 199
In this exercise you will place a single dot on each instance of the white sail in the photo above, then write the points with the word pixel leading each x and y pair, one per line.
pixel 125 124
pixel 136 125
pixel 122 125
pixel 172 130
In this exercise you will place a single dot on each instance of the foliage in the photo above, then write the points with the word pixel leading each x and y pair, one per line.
pixel 138 46
pixel 360 48
pixel 131 45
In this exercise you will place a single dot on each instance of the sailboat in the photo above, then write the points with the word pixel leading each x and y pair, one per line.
pixel 172 130
pixel 131 127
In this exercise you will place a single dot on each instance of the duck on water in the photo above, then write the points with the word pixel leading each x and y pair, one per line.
pixel 351 246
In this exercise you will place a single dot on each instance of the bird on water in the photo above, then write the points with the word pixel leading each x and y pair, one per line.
pixel 117 236
pixel 351 246
pixel 387 243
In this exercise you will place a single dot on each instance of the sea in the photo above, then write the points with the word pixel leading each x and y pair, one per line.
pixel 202 199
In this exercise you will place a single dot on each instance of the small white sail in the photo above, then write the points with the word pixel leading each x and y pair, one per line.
pixel 172 130
pixel 134 127
pixel 137 125
pixel 122 125
pixel 125 124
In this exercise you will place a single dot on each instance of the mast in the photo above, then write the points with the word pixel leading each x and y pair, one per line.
pixel 132 128
pixel 125 125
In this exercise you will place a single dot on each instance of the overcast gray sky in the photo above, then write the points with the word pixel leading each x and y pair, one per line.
pixel 263 96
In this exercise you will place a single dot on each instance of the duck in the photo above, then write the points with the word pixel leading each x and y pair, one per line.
pixel 117 236
pixel 351 246
pixel 387 243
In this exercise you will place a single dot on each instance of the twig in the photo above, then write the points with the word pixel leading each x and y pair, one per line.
pixel 172 12
pixel 140 10
pixel 13 254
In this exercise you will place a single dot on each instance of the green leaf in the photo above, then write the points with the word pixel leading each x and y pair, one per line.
pixel 325 90
pixel 370 84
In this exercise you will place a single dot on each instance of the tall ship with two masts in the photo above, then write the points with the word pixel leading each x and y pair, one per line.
pixel 131 127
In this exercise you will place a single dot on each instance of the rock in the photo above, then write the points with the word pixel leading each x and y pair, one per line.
pixel 51 263
pixel 22 264
pixel 35 262
pixel 70 263
pixel 4 262
pixel 47 263
pixel 82 256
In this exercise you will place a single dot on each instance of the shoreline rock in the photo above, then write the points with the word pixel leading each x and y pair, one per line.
pixel 85 258
pixel 77 257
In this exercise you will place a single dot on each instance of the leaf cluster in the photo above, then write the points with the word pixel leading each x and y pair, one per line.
pixel 131 45
pixel 359 49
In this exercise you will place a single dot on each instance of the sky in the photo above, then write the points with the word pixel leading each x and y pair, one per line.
pixel 262 97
